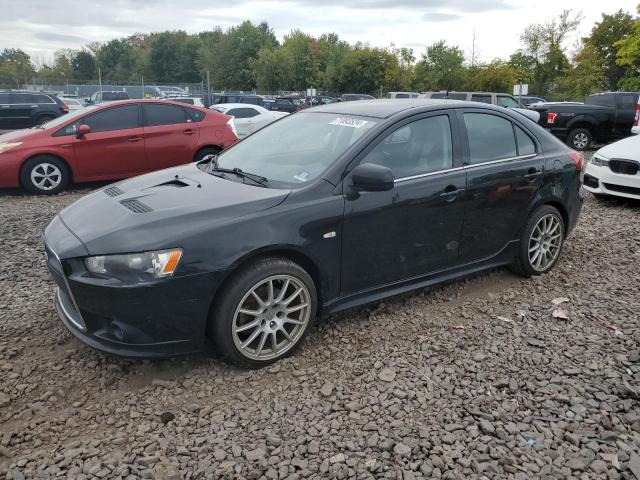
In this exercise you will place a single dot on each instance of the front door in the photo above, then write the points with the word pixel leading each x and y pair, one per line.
pixel 115 146
pixel 413 229
pixel 170 135
pixel 504 172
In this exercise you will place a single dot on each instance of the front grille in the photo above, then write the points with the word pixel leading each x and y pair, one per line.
pixel 136 206
pixel 625 167
pixel 113 191
pixel 622 189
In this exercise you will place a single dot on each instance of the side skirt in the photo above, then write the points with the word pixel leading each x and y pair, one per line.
pixel 504 257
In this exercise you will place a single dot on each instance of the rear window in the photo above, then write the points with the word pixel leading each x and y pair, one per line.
pixel 38 98
pixel 628 101
pixel 111 96
pixel 602 100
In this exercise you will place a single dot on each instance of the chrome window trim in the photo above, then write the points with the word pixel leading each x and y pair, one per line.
pixel 82 327
pixel 465 167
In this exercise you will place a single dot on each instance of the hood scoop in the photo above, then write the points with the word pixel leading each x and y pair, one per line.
pixel 113 191
pixel 136 206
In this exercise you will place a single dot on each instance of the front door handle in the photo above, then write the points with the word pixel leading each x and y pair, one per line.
pixel 532 174
pixel 451 193
pixel 134 139
pixel 189 131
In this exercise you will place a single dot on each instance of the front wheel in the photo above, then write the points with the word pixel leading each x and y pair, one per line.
pixel 263 313
pixel 204 152
pixel 541 242
pixel 44 175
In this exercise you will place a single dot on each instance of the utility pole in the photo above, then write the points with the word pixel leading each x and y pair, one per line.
pixel 474 50
pixel 100 82
pixel 142 86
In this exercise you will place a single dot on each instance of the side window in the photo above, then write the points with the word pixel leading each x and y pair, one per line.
pixel 438 95
pixel 422 146
pixel 525 144
pixel 42 99
pixel 505 101
pixel 117 118
pixel 196 115
pixel 481 98
pixel 628 102
pixel 457 96
pixel 159 114
pixel 21 98
pixel 4 98
pixel 490 137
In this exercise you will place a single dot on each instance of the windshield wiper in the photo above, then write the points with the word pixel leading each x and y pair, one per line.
pixel 213 167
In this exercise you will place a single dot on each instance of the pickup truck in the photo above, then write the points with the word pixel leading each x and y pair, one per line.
pixel 602 118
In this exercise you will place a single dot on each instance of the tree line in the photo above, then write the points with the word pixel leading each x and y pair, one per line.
pixel 249 56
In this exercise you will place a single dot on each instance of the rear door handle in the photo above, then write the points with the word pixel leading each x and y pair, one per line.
pixel 189 131
pixel 532 174
pixel 134 139
pixel 451 193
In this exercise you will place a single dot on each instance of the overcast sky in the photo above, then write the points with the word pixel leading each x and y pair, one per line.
pixel 41 27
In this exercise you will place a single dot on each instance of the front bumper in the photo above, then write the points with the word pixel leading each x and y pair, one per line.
pixel 161 319
pixel 601 180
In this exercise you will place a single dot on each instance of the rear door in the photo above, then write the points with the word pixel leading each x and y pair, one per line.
pixel 504 171
pixel 115 146
pixel 170 134
pixel 625 113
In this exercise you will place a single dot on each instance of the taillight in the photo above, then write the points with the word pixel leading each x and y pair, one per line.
pixel 577 158
pixel 65 107
pixel 636 122
pixel 551 117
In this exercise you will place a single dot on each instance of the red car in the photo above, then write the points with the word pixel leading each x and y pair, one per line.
pixel 111 141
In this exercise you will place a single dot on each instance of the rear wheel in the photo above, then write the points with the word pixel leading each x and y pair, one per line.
pixel 580 139
pixel 541 242
pixel 203 152
pixel 42 119
pixel 44 175
pixel 263 312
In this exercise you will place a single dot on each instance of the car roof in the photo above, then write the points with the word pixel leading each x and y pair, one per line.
pixel 386 108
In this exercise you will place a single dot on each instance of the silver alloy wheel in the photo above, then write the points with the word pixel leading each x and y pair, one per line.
pixel 46 176
pixel 581 140
pixel 545 242
pixel 271 317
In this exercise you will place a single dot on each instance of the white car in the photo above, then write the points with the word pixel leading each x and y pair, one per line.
pixel 248 118
pixel 73 103
pixel 615 169
pixel 197 101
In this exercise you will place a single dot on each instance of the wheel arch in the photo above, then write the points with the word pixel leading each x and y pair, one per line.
pixel 202 147
pixel 45 154
pixel 557 204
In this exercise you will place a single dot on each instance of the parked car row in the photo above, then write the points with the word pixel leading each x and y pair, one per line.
pixel 111 141
pixel 248 118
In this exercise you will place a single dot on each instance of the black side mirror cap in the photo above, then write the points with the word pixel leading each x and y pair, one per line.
pixel 368 177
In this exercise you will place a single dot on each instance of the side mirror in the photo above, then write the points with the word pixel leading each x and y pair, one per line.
pixel 83 130
pixel 368 177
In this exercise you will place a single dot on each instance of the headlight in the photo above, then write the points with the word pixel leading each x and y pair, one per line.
pixel 599 160
pixel 135 266
pixel 6 146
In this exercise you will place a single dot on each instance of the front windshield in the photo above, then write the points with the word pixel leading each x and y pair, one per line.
pixel 66 117
pixel 298 148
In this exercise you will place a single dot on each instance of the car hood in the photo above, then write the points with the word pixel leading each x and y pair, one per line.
pixel 158 210
pixel 18 135
pixel 628 148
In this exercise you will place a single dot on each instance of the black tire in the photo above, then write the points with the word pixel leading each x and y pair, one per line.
pixel 59 171
pixel 522 264
pixel 203 152
pixel 580 139
pixel 239 286
pixel 42 119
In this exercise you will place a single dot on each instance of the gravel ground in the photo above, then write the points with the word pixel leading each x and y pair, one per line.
pixel 473 379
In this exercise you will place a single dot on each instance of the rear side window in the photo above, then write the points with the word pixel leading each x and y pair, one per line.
pixel 42 99
pixel 457 96
pixel 481 98
pixel 117 118
pixel 525 144
pixel 628 101
pixel 21 98
pixel 438 95
pixel 490 138
pixel 242 112
pixel 158 114
pixel 4 98
pixel 195 115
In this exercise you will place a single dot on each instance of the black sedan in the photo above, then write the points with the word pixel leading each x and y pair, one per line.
pixel 330 208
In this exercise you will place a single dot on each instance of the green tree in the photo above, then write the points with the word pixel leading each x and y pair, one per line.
pixel 441 68
pixel 116 60
pixel 173 57
pixel 497 76
pixel 83 66
pixel 331 53
pixel 273 70
pixel 367 70
pixel 628 56
pixel 605 39
pixel 586 76
pixel 15 67
pixel 303 51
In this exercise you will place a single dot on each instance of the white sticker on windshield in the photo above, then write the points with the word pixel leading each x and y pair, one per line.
pixel 302 177
pixel 349 122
